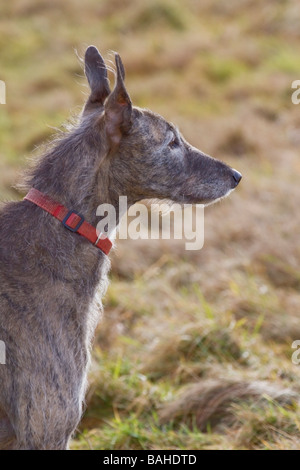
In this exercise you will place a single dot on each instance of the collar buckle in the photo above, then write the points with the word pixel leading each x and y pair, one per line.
pixel 68 226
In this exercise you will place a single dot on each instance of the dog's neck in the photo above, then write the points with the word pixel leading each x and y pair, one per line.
pixel 73 175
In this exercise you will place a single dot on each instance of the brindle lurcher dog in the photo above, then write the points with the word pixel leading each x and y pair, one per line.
pixel 50 276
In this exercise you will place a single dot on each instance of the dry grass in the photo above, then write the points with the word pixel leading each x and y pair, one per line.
pixel 195 348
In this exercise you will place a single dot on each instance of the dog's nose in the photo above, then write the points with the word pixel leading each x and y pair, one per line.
pixel 236 176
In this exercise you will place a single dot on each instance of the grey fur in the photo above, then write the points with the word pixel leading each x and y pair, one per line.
pixel 50 277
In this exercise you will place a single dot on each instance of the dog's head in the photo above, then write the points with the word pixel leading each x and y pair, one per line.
pixel 146 155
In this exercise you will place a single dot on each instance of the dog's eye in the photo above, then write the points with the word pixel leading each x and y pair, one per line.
pixel 174 143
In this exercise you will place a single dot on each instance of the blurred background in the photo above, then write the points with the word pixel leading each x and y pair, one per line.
pixel 194 351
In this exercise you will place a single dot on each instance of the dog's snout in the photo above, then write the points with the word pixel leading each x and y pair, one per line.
pixel 236 176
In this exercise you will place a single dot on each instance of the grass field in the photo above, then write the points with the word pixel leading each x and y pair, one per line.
pixel 194 350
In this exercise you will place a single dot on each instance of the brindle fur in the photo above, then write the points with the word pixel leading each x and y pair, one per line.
pixel 50 277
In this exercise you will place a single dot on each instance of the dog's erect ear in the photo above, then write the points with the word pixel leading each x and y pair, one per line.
pixel 96 73
pixel 118 108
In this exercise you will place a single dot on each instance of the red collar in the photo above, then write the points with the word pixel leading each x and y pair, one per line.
pixel 72 220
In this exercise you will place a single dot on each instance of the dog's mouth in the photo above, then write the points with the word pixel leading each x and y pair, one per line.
pixel 195 199
pixel 214 201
